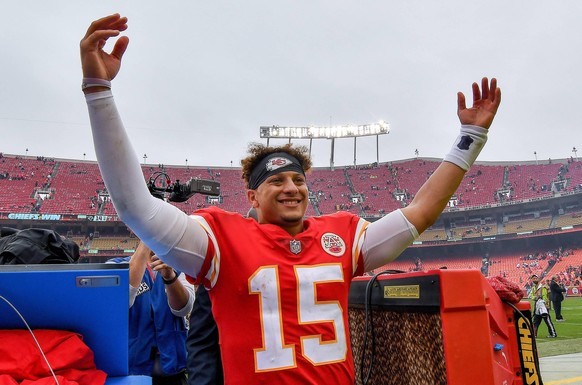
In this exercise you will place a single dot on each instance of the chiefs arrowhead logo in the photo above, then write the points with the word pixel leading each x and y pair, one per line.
pixel 275 163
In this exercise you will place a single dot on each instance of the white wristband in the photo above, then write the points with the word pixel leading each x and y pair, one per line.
pixel 94 82
pixel 467 146
pixel 98 95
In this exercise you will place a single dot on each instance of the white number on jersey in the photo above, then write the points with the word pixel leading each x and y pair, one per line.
pixel 274 354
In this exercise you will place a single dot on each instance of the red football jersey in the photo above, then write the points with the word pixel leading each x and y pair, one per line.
pixel 281 302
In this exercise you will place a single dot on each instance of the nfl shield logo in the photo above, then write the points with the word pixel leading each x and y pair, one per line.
pixel 295 246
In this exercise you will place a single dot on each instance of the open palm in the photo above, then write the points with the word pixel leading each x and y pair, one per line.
pixel 485 104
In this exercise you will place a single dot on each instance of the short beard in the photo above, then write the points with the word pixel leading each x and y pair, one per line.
pixel 292 220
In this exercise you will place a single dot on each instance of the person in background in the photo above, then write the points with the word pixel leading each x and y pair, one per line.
pixel 540 302
pixel 557 290
pixel 159 300
pixel 204 362
pixel 279 285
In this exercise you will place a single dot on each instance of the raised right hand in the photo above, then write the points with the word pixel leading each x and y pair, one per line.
pixel 97 63
pixel 485 104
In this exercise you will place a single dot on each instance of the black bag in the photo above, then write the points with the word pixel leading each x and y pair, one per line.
pixel 35 246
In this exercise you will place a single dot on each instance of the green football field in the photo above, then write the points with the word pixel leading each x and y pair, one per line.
pixel 569 332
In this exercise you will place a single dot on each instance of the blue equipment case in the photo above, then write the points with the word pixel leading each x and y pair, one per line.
pixel 89 299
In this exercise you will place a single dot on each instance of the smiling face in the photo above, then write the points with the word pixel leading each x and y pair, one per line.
pixel 282 200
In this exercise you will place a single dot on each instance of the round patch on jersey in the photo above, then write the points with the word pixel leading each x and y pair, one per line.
pixel 333 244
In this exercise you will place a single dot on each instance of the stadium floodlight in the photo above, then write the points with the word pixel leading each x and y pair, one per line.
pixel 325 132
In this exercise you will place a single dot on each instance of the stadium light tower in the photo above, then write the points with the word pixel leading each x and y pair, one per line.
pixel 536 155
pixel 327 132
pixel 575 153
pixel 144 158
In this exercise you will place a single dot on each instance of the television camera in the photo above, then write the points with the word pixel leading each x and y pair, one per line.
pixel 180 192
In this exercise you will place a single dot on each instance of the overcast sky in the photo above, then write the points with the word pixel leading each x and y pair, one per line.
pixel 200 77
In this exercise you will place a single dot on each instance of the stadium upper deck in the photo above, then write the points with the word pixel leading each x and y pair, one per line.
pixel 501 210
pixel 41 188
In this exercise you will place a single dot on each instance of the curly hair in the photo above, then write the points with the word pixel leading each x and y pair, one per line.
pixel 258 152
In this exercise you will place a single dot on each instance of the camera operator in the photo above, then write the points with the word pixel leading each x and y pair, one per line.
pixel 159 300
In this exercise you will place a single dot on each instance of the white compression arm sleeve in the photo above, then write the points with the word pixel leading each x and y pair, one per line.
pixel 386 239
pixel 175 237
